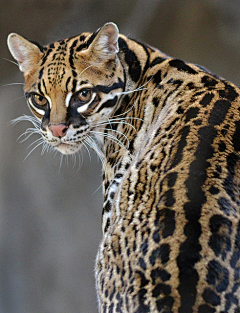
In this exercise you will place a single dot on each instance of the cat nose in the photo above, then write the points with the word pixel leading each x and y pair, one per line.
pixel 58 130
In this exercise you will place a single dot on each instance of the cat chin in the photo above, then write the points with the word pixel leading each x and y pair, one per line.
pixel 65 148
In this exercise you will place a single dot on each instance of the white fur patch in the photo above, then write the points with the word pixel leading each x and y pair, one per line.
pixel 83 108
pixel 49 101
pixel 68 98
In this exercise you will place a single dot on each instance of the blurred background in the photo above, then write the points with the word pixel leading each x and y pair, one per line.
pixel 50 212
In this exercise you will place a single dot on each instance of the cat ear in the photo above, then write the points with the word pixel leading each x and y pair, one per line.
pixel 27 54
pixel 105 44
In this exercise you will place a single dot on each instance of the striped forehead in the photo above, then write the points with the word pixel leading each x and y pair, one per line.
pixel 58 70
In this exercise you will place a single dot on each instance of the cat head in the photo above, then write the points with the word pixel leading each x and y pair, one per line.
pixel 72 86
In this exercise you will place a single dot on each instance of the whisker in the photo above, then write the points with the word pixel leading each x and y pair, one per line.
pixel 113 138
pixel 87 68
pixel 60 163
pixel 89 154
pixel 114 122
pixel 116 131
pixel 12 84
pixel 40 143
pixel 97 189
pixel 90 141
pixel 131 91
pixel 35 141
pixel 11 61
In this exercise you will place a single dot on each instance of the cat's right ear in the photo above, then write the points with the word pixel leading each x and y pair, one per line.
pixel 26 53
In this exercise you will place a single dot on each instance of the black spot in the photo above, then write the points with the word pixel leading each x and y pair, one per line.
pixel 161 253
pixel 165 305
pixel 213 190
pixel 220 239
pixel 159 274
pixel 228 93
pixel 206 99
pixel 177 82
pixel 156 61
pixel 131 60
pixel 171 124
pixel 211 297
pixel 119 303
pixel 157 77
pixel 181 66
pixel 236 256
pixel 144 247
pixel 217 276
pixel 127 166
pixel 155 101
pixel 190 86
pixel 165 220
pixel 74 73
pixel 142 263
pixel 180 110
pixel 223 131
pixel 112 293
pixel 191 113
pixel 197 122
pixel 169 198
pixel 46 56
pixel 144 280
pixel 74 84
pixel 142 308
pixel 172 177
pixel 219 111
pixel 40 73
pixel 82 37
pixel 108 89
pixel 181 144
pixel 153 167
pixel 222 146
pixel 232 160
pixel 225 205
pixel 108 206
pixel 71 54
pixel 67 82
pixel 230 299
pixel 81 46
pixel 236 137
pixel 161 289
pixel 208 81
pixel 108 104
pixel 156 236
pixel 92 37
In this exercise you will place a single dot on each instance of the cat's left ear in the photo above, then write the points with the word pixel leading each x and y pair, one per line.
pixel 105 44
pixel 26 53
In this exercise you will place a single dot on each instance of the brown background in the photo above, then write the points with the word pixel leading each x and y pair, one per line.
pixel 50 215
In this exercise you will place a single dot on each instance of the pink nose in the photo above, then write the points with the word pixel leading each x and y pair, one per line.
pixel 58 130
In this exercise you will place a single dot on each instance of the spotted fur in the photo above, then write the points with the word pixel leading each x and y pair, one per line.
pixel 169 136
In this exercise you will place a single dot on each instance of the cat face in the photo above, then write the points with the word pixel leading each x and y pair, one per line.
pixel 72 86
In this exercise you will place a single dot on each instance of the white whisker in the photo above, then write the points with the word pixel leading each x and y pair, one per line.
pixel 113 138
pixel 40 143
pixel 12 84
pixel 11 61
pixel 116 131
pixel 87 68
pixel 60 163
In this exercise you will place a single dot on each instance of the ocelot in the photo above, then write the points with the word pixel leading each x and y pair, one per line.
pixel 168 134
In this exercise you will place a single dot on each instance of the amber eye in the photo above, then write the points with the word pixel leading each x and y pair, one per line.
pixel 38 100
pixel 84 95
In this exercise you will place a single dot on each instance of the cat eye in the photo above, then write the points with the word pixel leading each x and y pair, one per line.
pixel 37 99
pixel 84 95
